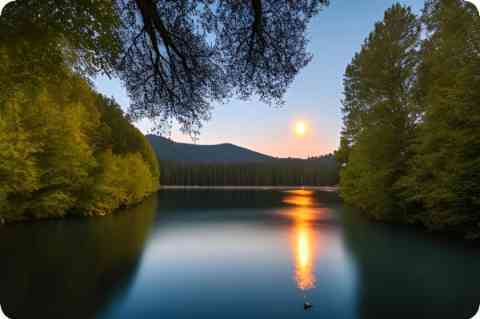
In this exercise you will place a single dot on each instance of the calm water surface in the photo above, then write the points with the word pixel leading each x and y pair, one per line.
pixel 234 254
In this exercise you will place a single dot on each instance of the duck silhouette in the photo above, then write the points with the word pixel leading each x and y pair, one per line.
pixel 307 305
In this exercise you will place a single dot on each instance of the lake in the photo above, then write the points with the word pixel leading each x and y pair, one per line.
pixel 235 254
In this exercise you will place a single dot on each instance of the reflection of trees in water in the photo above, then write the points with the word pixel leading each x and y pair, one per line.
pixel 219 199
pixel 213 199
pixel 407 274
pixel 71 268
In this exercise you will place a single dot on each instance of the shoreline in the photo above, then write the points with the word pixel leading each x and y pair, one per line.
pixel 191 187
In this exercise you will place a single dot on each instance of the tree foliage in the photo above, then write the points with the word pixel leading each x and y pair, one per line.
pixel 175 57
pixel 377 129
pixel 410 144
pixel 88 28
pixel 61 142
pixel 444 175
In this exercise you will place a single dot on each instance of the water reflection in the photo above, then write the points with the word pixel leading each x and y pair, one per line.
pixel 299 198
pixel 73 268
pixel 305 238
pixel 304 257
pixel 407 273
pixel 235 254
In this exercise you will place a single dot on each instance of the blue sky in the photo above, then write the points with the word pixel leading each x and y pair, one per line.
pixel 315 96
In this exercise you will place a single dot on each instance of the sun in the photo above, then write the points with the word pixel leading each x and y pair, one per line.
pixel 300 128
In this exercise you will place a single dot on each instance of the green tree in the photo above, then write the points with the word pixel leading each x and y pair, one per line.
pixel 19 172
pixel 444 174
pixel 66 158
pixel 377 114
pixel 55 136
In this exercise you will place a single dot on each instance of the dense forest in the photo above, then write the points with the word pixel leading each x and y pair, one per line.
pixel 64 149
pixel 315 171
pixel 410 147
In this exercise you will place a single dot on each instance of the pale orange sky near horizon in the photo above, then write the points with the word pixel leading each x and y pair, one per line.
pixel 277 141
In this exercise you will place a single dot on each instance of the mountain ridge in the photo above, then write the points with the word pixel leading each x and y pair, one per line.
pixel 168 150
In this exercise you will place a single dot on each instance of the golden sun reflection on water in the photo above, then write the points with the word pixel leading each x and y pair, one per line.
pixel 304 257
pixel 304 238
pixel 299 198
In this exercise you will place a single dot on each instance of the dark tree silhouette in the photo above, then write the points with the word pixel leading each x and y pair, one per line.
pixel 179 56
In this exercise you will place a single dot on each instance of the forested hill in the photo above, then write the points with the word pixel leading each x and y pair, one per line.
pixel 168 150
pixel 231 165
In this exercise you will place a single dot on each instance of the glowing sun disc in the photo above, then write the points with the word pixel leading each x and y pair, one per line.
pixel 300 128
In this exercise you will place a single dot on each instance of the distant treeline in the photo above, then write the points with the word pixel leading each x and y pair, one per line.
pixel 317 171
pixel 410 145
pixel 64 149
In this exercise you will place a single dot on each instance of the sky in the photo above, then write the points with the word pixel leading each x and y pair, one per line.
pixel 335 34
